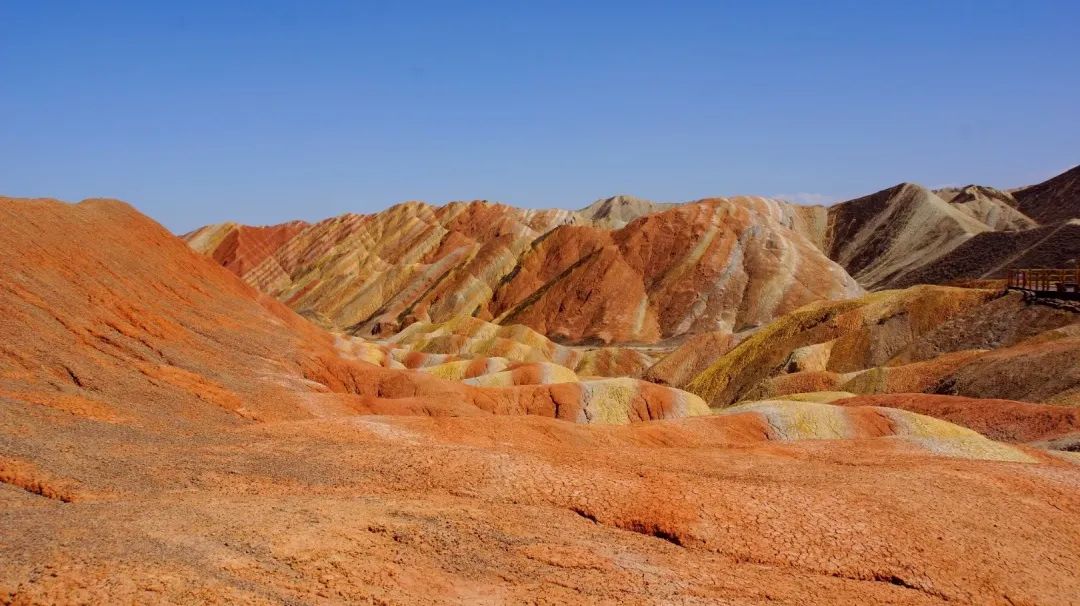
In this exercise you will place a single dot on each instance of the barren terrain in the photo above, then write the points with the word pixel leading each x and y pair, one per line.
pixel 170 434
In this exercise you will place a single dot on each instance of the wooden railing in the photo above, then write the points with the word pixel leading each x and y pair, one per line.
pixel 1046 280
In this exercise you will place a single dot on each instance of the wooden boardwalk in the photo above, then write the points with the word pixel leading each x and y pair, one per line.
pixel 1049 283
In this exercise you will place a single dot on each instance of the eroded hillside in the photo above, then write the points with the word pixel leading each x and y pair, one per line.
pixel 721 264
pixel 170 434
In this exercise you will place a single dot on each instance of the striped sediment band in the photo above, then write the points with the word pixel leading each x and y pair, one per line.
pixel 538 373
pixel 625 400
pixel 788 420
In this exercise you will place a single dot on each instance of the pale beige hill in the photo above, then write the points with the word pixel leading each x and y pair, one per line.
pixel 617 211
pixel 884 236
pixel 992 207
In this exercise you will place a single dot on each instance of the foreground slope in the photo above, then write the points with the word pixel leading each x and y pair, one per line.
pixel 617 211
pixel 401 510
pixel 169 436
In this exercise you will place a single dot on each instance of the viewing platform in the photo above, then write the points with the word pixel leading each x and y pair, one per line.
pixel 1047 283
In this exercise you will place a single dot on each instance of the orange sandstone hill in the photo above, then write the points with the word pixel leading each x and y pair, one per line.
pixel 107 328
pixel 721 264
pixel 168 434
pixel 1053 201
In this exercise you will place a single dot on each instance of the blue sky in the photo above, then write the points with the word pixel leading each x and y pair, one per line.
pixel 263 112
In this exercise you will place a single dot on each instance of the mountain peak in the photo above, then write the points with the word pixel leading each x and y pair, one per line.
pixel 620 209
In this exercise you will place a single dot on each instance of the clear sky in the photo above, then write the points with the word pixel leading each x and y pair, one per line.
pixel 261 112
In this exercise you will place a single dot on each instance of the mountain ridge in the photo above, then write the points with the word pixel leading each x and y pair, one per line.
pixel 890 238
pixel 471 258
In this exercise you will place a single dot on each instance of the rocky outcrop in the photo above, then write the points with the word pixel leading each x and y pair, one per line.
pixel 119 335
pixel 617 211
pixel 992 207
pixel 990 255
pixel 1053 201
pixel 968 342
pixel 1003 420
pixel 789 420
pixel 243 247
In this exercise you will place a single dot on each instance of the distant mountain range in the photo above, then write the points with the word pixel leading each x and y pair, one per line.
pixel 627 270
